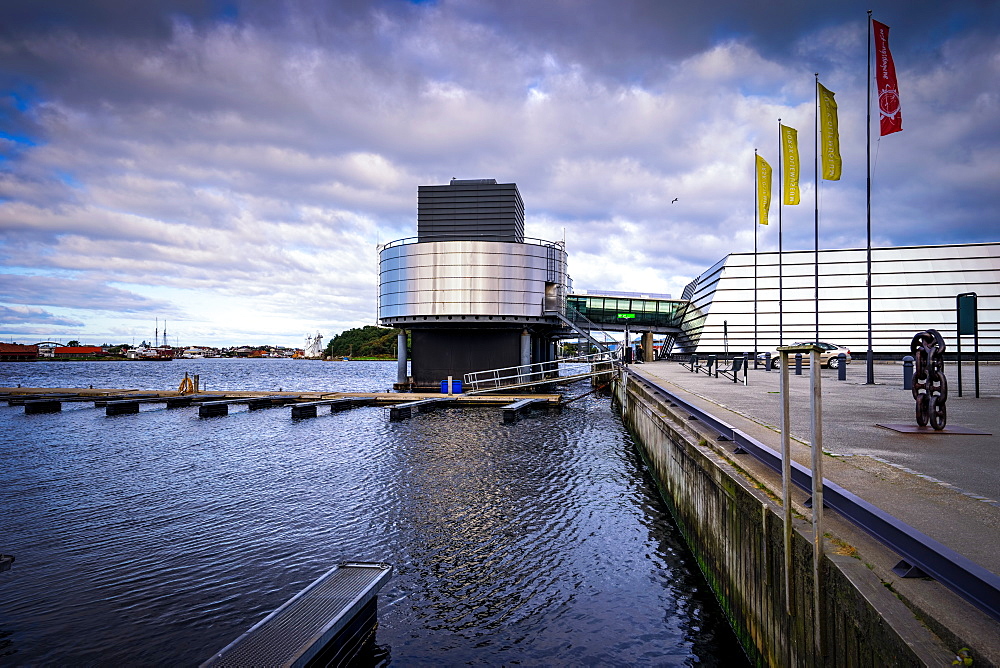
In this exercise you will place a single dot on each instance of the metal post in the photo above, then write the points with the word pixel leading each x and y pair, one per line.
pixel 781 201
pixel 869 356
pixel 817 497
pixel 842 367
pixel 786 477
pixel 958 339
pixel 908 373
pixel 756 209
pixel 767 361
pixel 975 353
pixel 798 364
pixel 401 375
pixel 816 143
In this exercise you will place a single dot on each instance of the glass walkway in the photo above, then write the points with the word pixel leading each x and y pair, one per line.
pixel 616 311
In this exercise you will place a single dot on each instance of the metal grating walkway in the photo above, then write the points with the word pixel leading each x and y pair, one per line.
pixel 301 628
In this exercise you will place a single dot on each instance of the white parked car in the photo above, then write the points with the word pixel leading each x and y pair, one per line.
pixel 829 356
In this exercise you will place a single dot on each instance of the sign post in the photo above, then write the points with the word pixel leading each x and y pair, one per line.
pixel 968 323
pixel 628 344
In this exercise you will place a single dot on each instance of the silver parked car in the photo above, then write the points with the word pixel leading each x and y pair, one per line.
pixel 829 355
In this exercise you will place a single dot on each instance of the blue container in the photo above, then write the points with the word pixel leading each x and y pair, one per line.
pixel 456 387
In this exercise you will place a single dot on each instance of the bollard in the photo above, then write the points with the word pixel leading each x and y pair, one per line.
pixel 711 363
pixel 767 361
pixel 798 364
pixel 907 373
pixel 842 367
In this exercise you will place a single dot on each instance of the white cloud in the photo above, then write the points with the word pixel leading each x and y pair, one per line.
pixel 236 176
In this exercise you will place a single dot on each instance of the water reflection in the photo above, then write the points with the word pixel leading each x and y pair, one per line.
pixel 159 537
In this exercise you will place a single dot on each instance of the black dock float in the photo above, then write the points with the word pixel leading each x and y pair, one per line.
pixel 511 412
pixel 36 406
pixel 309 408
pixel 269 402
pixel 405 410
pixel 122 407
pixel 6 560
pixel 221 406
pixel 324 624
pixel 213 408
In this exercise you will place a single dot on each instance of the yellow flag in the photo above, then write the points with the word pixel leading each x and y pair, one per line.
pixel 829 134
pixel 763 188
pixel 790 168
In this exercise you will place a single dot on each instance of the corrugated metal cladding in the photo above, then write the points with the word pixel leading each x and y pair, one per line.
pixel 913 288
pixel 472 210
pixel 486 278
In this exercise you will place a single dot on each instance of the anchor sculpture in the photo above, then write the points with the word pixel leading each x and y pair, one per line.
pixel 930 387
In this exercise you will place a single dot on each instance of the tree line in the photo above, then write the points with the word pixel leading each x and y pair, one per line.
pixel 367 341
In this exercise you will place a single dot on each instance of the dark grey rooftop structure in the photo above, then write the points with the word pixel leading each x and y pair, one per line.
pixel 470 210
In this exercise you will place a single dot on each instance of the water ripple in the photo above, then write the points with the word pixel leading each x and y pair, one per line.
pixel 157 538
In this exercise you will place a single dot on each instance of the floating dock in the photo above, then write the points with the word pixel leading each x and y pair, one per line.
pixel 303 404
pixel 328 623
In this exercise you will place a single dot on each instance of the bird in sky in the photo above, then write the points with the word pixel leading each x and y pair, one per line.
pixel 674 200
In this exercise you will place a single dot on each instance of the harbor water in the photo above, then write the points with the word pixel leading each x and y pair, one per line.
pixel 157 538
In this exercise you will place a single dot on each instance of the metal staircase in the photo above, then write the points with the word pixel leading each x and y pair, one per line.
pixel 572 324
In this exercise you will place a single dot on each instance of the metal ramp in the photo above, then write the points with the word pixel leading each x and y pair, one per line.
pixel 540 373
pixel 324 623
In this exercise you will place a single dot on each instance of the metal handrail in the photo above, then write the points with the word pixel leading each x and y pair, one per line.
pixel 529 373
pixel 963 576
pixel 489 237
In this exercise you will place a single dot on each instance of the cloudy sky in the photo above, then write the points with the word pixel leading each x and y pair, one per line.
pixel 229 166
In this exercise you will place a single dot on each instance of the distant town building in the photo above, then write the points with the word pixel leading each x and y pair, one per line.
pixel 13 352
pixel 73 352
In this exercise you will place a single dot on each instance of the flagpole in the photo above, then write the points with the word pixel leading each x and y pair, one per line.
pixel 870 357
pixel 781 202
pixel 816 144
pixel 756 209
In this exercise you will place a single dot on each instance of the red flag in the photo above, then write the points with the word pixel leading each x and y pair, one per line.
pixel 885 77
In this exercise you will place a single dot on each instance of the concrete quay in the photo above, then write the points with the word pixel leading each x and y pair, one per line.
pixel 944 485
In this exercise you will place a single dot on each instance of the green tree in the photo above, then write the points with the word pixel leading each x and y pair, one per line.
pixel 367 341
pixel 74 342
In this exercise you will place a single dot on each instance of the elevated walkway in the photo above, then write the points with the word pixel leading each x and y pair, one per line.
pixel 656 314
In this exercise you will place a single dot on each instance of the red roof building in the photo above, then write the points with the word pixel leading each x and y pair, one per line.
pixel 77 351
pixel 14 352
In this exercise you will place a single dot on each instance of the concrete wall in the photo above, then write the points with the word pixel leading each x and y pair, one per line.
pixel 734 528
